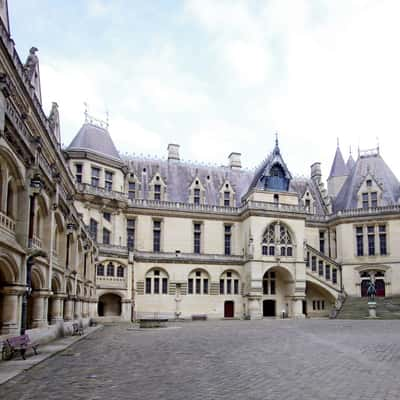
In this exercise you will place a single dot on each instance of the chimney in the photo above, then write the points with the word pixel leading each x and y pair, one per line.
pixel 234 160
pixel 316 173
pixel 173 152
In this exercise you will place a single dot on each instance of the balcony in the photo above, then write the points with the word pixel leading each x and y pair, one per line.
pixel 112 250
pixel 111 282
pixel 7 223
pixel 84 188
pixel 36 242
pixel 188 257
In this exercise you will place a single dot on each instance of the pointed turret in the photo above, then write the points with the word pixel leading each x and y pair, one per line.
pixel 350 162
pixel 338 173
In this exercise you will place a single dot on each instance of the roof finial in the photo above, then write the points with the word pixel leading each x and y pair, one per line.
pixel 86 111
pixel 377 144
pixel 107 119
pixel 276 149
pixel 350 150
pixel 337 141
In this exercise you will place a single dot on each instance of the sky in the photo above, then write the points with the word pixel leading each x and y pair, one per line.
pixel 218 76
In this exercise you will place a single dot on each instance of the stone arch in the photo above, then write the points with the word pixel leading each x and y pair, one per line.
pixel 381 274
pixel 229 282
pixel 8 269
pixel 38 280
pixel 69 288
pixel 278 239
pixel 199 281
pixel 56 286
pixel 109 305
pixel 8 158
pixel 156 281
pixel 319 300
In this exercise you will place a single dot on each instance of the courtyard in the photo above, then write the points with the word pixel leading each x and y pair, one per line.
pixel 267 359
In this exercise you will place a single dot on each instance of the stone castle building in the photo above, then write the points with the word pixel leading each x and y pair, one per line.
pixel 86 232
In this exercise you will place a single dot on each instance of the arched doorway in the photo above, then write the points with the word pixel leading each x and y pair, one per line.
pixel 229 309
pixel 109 305
pixel 379 279
pixel 269 308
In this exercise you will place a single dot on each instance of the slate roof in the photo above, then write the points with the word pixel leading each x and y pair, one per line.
pixel 375 166
pixel 350 163
pixel 95 139
pixel 338 166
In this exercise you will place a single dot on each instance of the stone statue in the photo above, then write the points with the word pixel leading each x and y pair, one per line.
pixel 54 121
pixel 371 291
pixel 31 62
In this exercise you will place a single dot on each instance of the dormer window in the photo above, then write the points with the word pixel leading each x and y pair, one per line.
pixel 196 196
pixel 369 182
pixel 276 179
pixel 227 199
pixel 276 198
pixel 131 190
pixel 374 199
pixel 369 199
pixel 308 204
pixel 157 191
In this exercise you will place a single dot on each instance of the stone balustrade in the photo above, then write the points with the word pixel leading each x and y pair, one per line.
pixel 7 223
pixel 114 282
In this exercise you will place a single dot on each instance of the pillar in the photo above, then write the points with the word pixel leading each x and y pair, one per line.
pixel 298 307
pixel 255 307
pixel 39 315
pixel 9 312
pixel 78 308
pixel 56 308
pixel 69 309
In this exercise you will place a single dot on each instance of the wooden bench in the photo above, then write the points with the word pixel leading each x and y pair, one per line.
pixel 199 317
pixel 77 329
pixel 17 343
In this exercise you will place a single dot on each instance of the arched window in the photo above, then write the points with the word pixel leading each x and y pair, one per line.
pixel 100 270
pixel 120 271
pixel 198 282
pixel 156 282
pixel 277 240
pixel 276 179
pixel 229 283
pixel 110 269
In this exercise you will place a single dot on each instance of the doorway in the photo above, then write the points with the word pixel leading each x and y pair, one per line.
pixel 269 308
pixel 229 309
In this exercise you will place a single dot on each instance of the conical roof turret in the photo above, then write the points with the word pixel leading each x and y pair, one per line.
pixel 338 166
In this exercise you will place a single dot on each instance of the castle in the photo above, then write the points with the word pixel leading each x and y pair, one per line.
pixel 86 232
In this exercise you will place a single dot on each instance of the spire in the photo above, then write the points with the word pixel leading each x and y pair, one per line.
pixel 350 162
pixel 338 165
pixel 276 149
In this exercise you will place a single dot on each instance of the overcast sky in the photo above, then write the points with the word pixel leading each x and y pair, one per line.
pixel 218 76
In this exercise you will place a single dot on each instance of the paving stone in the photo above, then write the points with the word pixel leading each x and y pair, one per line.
pixel 312 359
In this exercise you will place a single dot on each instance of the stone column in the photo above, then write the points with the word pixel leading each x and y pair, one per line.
pixel 9 312
pixel 69 309
pixel 126 309
pixel 56 308
pixel 78 308
pixel 93 308
pixel 39 319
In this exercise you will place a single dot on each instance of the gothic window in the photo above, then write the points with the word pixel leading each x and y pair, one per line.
pixel 156 282
pixel 198 282
pixel 100 270
pixel 229 283
pixel 110 269
pixel 120 271
pixel 277 240
pixel 268 245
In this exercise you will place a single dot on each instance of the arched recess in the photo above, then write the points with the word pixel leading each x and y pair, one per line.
pixel 380 274
pixel 37 283
pixel 156 281
pixel 56 288
pixel 59 243
pixel 8 269
pixel 319 300
pixel 109 305
pixel 229 283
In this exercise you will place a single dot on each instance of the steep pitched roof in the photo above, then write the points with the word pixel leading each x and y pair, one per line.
pixel 350 163
pixel 338 166
pixel 96 139
pixel 375 166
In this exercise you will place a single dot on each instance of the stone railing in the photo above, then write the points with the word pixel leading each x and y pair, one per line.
pixel 36 242
pixel 323 268
pixel 98 191
pixel 7 223
pixel 112 249
pixel 111 282
pixel 188 257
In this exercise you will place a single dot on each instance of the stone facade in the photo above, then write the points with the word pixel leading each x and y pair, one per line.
pixel 47 257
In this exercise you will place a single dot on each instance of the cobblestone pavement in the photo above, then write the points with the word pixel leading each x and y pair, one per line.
pixel 291 360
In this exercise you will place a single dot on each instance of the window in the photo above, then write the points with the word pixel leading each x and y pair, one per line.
pixel 268 245
pixel 156 236
pixel 359 241
pixel 371 240
pixel 106 236
pixel 197 238
pixel 276 179
pixel 308 204
pixel 327 272
pixel 198 282
pixel 277 236
pixel 276 198
pixel 93 229
pixel 110 269
pixel 95 176
pixel 313 263
pixel 157 192
pixel 365 200
pixel 100 270
pixel 108 181
pixel 130 234
pixel 229 283
pixel 227 240
pixel 322 241
pixel 308 259
pixel 374 199
pixel 227 199
pixel 334 276
pixel 107 216
pixel 78 173
pixel 131 190
pixel 196 196
pixel 120 271
pixel 382 240
pixel 156 282
pixel 269 283
pixel 320 268
pixel 369 183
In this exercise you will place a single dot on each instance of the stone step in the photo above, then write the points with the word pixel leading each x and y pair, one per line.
pixel 357 308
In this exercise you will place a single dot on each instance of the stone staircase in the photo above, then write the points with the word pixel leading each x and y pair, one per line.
pixel 357 308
